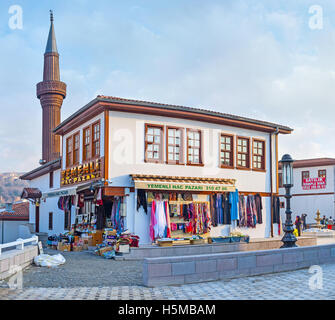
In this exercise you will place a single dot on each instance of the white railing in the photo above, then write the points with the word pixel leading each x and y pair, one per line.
pixel 19 243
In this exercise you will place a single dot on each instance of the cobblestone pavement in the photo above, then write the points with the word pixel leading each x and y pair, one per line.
pixel 288 285
pixel 83 269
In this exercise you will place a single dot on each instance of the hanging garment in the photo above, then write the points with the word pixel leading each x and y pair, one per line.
pixel 250 212
pixel 142 200
pixel 81 201
pixel 219 208
pixel 233 200
pixel 161 220
pixel 226 209
pixel 242 211
pixel 99 201
pixel 259 208
pixel 153 221
pixel 167 215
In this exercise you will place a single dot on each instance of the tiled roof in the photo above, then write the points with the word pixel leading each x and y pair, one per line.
pixel 317 162
pixel 31 193
pixel 21 212
pixel 111 99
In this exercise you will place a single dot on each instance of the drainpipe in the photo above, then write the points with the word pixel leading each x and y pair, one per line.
pixel 271 176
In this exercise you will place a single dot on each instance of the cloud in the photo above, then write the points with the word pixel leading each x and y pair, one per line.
pixel 250 58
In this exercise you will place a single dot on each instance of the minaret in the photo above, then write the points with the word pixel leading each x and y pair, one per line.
pixel 51 92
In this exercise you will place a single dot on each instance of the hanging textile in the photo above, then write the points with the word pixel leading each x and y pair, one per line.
pixel 251 215
pixel 226 209
pixel 142 200
pixel 233 200
pixel 259 208
pixel 167 215
pixel 242 211
pixel 99 201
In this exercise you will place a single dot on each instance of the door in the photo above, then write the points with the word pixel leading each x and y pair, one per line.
pixel 37 218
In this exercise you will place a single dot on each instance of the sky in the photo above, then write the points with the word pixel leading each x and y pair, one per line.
pixel 270 60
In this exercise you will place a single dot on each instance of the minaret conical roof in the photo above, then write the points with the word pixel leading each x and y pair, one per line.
pixel 51 44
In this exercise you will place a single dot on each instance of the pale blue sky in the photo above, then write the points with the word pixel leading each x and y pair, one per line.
pixel 257 59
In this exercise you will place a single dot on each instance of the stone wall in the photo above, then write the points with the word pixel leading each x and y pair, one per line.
pixel 259 244
pixel 13 258
pixel 209 267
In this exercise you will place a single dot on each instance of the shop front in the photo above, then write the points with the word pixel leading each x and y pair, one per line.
pixel 190 208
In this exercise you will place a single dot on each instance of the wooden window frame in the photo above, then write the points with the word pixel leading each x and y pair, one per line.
pixel 77 134
pixel 50 222
pixel 72 139
pixel 89 146
pixel 51 179
pixel 302 176
pixel 181 160
pixel 69 162
pixel 92 141
pixel 325 170
pixel 237 153
pixel 200 164
pixel 263 169
pixel 232 151
pixel 161 144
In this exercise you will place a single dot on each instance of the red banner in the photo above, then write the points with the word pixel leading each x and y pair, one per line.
pixel 314 183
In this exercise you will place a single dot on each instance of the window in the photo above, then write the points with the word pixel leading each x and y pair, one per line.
pixel 194 147
pixel 322 173
pixel 258 156
pixel 226 151
pixel 280 179
pixel 76 146
pixel 282 205
pixel 86 144
pixel 174 143
pixel 69 151
pixel 72 150
pixel 50 220
pixel 243 153
pixel 67 219
pixel 153 143
pixel 304 175
pixel 96 140
pixel 51 179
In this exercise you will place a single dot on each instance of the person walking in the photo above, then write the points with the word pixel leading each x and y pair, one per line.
pixel 298 225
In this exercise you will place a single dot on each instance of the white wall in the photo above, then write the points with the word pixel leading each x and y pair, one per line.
pixel 126 156
pixel 49 205
pixel 10 230
pixel 309 201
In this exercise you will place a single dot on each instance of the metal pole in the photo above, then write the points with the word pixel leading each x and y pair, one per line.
pixel 289 238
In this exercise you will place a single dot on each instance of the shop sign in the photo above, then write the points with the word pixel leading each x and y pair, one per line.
pixel 84 172
pixel 314 183
pixel 183 187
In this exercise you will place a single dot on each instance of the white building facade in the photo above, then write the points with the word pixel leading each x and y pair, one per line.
pixel 313 189
pixel 116 139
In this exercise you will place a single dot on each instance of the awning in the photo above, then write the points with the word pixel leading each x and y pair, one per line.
pixel 60 192
pixel 31 193
pixel 172 183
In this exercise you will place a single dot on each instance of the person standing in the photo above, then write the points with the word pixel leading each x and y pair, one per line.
pixel 298 225
pixel 330 223
pixel 303 220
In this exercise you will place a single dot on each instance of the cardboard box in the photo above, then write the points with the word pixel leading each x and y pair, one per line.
pixel 124 248
pixel 63 246
pixel 77 248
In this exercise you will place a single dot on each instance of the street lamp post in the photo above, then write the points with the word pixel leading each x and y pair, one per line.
pixel 289 238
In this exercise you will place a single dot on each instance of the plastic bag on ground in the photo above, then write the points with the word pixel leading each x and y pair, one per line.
pixel 45 260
